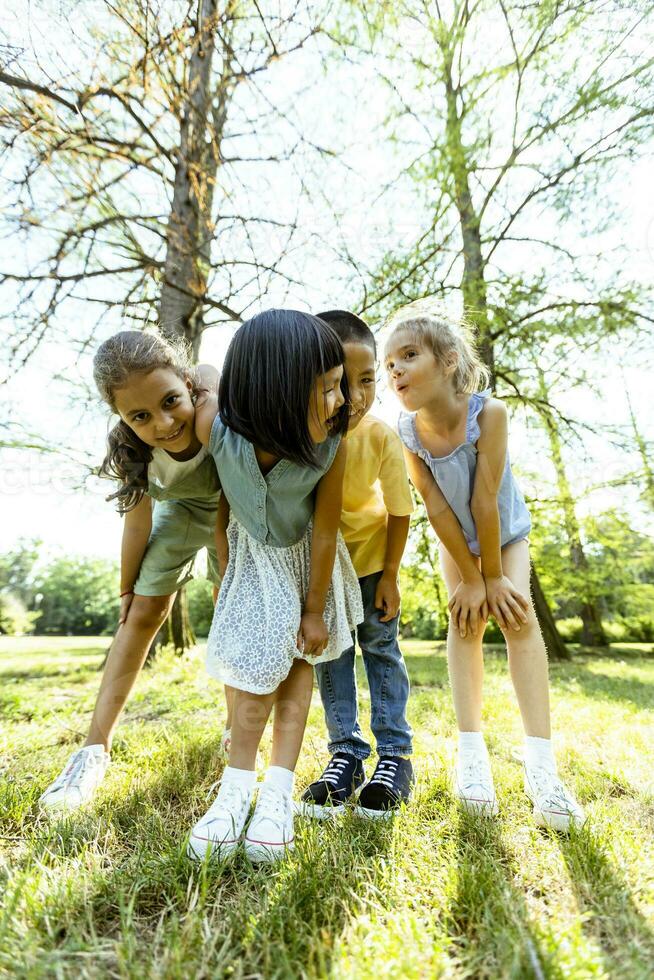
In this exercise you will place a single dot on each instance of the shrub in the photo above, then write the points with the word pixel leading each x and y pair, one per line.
pixel 200 605
pixel 15 619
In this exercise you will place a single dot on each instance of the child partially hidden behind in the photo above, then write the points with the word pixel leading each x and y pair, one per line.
pixel 377 505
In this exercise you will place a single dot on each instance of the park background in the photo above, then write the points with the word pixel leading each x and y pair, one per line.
pixel 189 164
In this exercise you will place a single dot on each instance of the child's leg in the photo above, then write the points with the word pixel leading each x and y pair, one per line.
pixel 337 684
pixel 526 649
pixel 250 713
pixel 387 675
pixel 270 833
pixel 292 703
pixel 465 660
pixel 229 701
pixel 124 662
pixel 554 804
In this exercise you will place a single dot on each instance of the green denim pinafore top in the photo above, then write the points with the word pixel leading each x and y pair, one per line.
pixel 275 509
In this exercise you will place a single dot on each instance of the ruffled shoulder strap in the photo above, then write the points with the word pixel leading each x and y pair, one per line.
pixel 475 407
pixel 407 432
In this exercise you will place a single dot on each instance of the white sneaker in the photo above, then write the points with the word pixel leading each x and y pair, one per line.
pixel 78 780
pixel 473 783
pixel 219 830
pixel 554 805
pixel 225 744
pixel 270 833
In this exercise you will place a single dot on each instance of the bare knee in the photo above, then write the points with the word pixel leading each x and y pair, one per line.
pixel 149 611
pixel 524 639
pixel 249 712
pixel 469 646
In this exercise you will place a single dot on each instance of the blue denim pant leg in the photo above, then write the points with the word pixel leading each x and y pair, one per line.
pixel 387 675
pixel 387 679
pixel 337 682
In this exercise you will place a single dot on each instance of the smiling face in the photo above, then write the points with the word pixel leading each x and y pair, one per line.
pixel 361 380
pixel 158 407
pixel 415 374
pixel 325 400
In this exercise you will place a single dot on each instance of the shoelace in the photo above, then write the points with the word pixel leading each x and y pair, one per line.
pixel 549 787
pixel 474 772
pixel 229 795
pixel 385 773
pixel 272 803
pixel 334 770
pixel 78 765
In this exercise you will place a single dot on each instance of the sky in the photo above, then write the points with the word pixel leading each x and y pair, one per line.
pixel 45 496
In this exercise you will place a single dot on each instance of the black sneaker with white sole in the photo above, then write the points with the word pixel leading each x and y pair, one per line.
pixel 328 795
pixel 389 786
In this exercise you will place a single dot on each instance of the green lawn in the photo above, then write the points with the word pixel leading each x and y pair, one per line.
pixel 109 892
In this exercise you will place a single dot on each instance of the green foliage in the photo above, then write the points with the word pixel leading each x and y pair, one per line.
pixel 16 568
pixel 15 619
pixel 77 596
pixel 200 605
pixel 424 597
pixel 620 574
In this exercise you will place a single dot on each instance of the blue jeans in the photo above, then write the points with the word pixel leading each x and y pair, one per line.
pixel 387 679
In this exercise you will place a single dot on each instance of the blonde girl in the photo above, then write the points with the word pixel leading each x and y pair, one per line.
pixel 455 439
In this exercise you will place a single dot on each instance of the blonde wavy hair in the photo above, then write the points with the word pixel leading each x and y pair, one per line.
pixel 429 323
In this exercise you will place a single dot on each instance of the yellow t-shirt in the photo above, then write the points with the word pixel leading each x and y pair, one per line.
pixel 375 485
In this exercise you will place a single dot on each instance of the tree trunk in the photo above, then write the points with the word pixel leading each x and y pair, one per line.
pixel 190 228
pixel 556 648
pixel 476 301
pixel 473 284
pixel 592 633
pixel 177 631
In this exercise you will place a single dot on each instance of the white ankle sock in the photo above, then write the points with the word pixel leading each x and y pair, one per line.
pixel 472 742
pixel 245 778
pixel 280 777
pixel 538 752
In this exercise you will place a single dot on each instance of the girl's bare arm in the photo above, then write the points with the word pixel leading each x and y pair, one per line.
pixel 136 531
pixel 467 604
pixel 505 602
pixel 313 634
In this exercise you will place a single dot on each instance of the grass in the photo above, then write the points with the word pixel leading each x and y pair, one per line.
pixel 109 892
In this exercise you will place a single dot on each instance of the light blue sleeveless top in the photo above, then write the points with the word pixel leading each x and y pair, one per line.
pixel 455 476
pixel 276 508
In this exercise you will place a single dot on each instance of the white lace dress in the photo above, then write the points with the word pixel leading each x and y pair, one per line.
pixel 253 638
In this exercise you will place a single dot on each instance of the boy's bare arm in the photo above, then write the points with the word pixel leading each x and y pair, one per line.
pixel 387 594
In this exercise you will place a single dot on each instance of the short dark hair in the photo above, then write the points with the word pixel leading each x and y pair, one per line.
pixel 270 369
pixel 349 327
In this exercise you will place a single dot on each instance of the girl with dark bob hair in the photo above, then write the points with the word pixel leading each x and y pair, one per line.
pixel 289 595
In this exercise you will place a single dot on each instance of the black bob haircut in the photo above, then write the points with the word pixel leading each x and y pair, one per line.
pixel 271 367
pixel 350 328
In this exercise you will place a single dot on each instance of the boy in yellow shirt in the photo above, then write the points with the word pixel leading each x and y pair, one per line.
pixel 377 505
